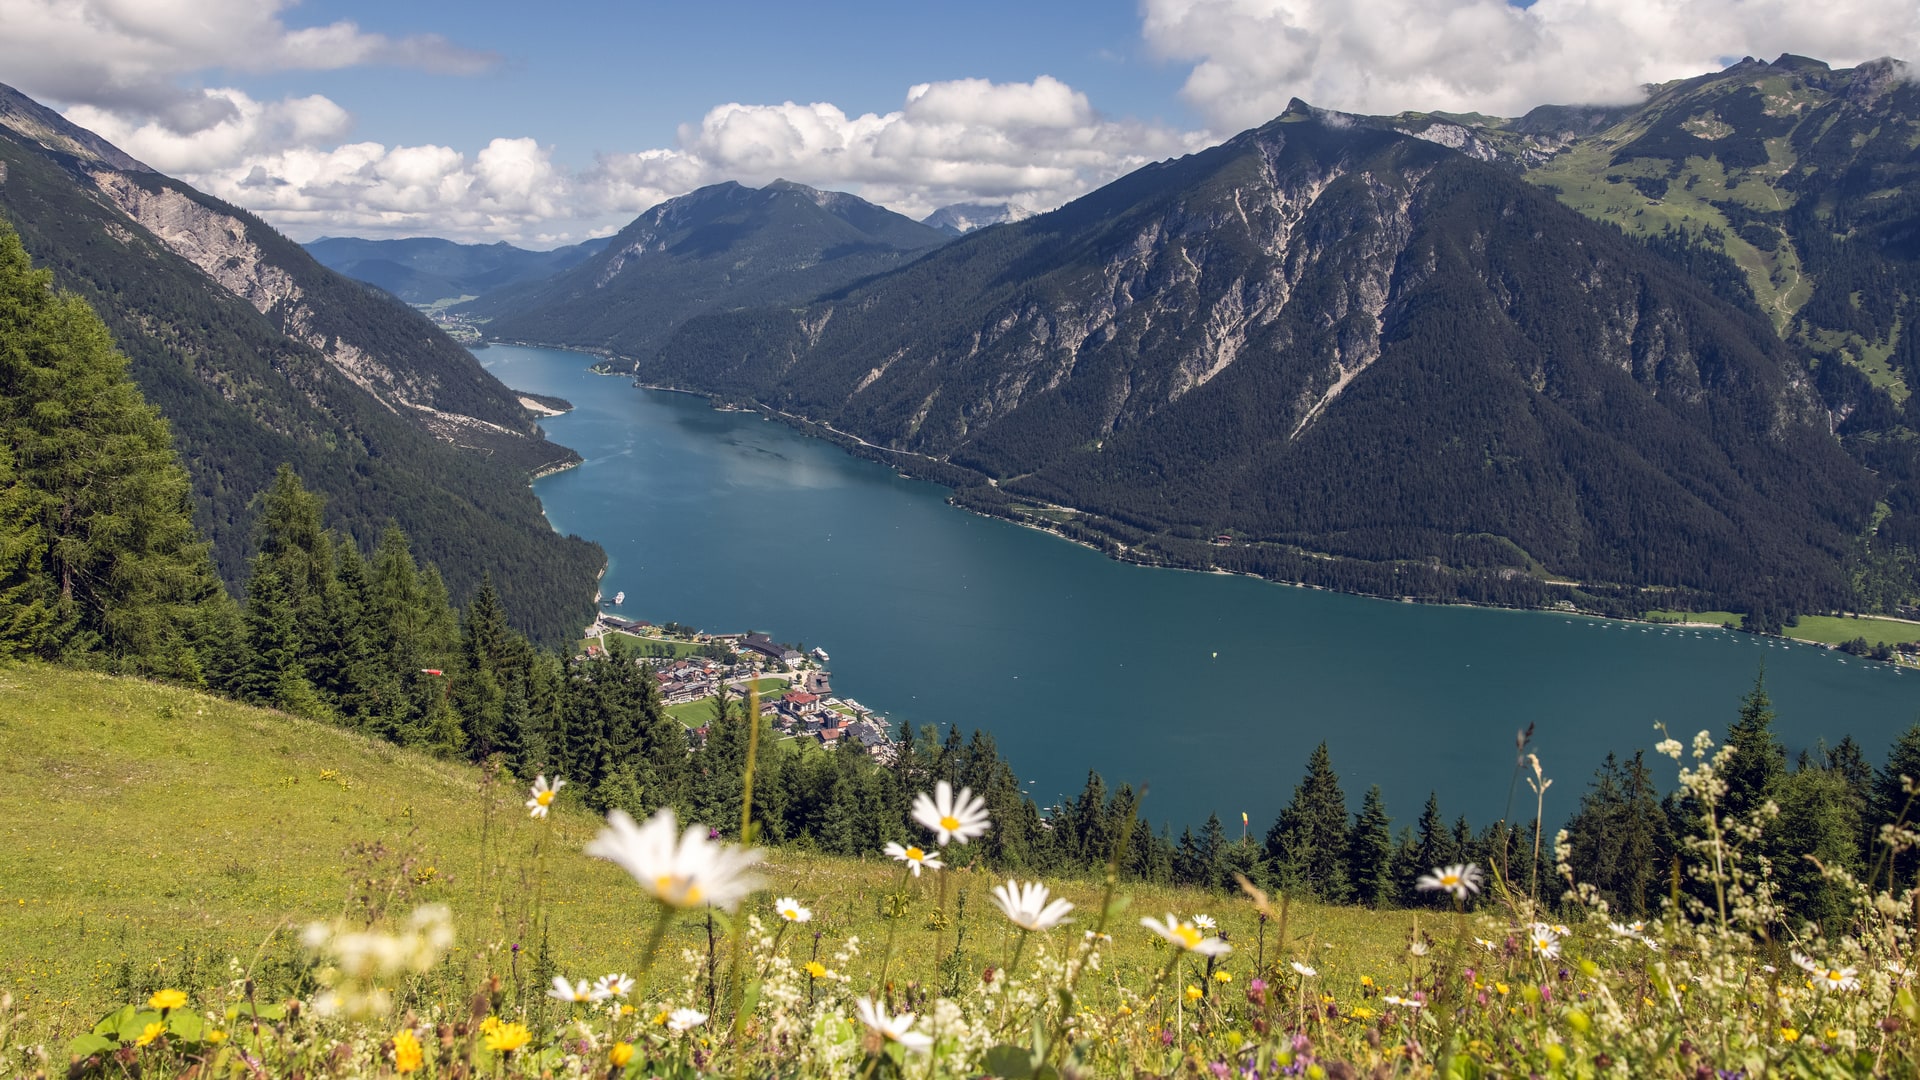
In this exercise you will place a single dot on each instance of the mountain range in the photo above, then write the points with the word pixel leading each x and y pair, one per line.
pixel 425 269
pixel 1374 350
pixel 721 247
pixel 256 355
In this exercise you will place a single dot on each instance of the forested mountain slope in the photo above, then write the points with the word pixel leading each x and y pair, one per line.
pixel 258 355
pixel 715 249
pixel 424 269
pixel 1330 339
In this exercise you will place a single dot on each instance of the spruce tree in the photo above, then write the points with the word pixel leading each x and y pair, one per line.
pixel 1758 763
pixel 1370 852
pixel 29 623
pixel 118 570
pixel 1307 845
pixel 1891 805
pixel 1432 847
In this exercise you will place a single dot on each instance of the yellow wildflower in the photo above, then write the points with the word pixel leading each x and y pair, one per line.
pixel 1126 1010
pixel 1366 980
pixel 1193 993
pixel 1502 989
pixel 1833 1033
pixel 1360 1012
pixel 166 999
pixel 152 1032
pixel 816 969
pixel 508 1037
pixel 1789 1035
pixel 490 1025
pixel 216 1036
pixel 1223 976
pixel 620 1054
pixel 406 1052
pixel 661 1020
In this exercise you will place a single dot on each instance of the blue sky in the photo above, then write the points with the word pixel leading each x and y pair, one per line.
pixel 543 123
pixel 602 77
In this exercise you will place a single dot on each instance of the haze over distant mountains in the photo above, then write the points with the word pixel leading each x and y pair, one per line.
pixel 256 354
pixel 424 269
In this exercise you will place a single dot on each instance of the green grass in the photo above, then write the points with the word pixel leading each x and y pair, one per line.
pixel 1717 618
pixel 1838 629
pixel 675 649
pixel 153 833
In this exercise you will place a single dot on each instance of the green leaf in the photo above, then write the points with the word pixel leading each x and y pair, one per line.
pixel 131 1028
pixel 185 1025
pixel 750 999
pixel 111 1023
pixel 90 1044
pixel 1008 1062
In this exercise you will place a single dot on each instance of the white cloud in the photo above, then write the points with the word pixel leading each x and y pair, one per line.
pixel 1383 56
pixel 131 55
pixel 1037 143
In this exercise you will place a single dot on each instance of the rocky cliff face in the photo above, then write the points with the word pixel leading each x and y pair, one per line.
pixel 257 355
pixel 1339 337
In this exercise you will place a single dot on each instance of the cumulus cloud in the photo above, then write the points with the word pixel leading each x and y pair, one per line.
pixel 1036 143
pixel 131 55
pixel 1382 56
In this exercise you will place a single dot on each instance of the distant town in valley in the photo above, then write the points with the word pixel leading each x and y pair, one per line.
pixel 795 687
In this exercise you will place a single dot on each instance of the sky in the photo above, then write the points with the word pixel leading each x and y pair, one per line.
pixel 546 123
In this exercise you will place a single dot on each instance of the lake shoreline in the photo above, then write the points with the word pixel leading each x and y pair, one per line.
pixel 902 460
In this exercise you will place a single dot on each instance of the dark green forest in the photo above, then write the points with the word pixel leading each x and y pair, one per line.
pixel 242 397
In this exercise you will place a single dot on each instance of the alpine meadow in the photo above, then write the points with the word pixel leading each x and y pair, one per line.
pixel 329 749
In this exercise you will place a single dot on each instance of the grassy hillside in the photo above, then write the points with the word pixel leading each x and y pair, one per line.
pixel 154 834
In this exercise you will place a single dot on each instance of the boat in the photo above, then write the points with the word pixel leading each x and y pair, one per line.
pixel 619 598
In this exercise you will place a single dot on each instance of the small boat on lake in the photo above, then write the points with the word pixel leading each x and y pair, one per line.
pixel 619 598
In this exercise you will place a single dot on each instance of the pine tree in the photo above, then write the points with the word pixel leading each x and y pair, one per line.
pixel 1370 852
pixel 1620 838
pixel 1432 847
pixel 28 620
pixel 1819 825
pixel 1307 845
pixel 118 570
pixel 1891 805
pixel 1758 763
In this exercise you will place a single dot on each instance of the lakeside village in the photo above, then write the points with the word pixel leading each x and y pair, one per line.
pixel 796 691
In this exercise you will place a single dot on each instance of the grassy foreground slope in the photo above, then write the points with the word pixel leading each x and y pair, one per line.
pixel 153 833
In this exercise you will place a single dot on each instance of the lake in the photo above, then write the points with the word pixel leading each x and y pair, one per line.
pixel 1211 688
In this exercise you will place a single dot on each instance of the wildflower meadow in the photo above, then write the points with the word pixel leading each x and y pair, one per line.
pixel 728 964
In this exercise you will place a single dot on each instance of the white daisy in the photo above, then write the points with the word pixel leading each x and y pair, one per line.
pixel 949 817
pixel 570 991
pixel 681 1021
pixel 1027 906
pixel 612 986
pixel 1302 969
pixel 790 910
pixel 543 794
pixel 1485 944
pixel 1544 941
pixel 914 857
pixel 1397 1000
pixel 1187 936
pixel 892 1028
pixel 1462 880
pixel 1828 978
pixel 691 871
pixel 1204 922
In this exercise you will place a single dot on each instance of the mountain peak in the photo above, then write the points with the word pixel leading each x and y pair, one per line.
pixel 33 121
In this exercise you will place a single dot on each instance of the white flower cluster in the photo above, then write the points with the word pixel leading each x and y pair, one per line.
pixel 356 961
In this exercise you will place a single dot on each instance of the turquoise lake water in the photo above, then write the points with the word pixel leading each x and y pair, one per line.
pixel 1213 689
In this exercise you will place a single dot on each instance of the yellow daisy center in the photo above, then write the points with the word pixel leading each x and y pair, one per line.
pixel 914 854
pixel 1189 937
pixel 1449 880
pixel 950 823
pixel 676 890
pixel 544 798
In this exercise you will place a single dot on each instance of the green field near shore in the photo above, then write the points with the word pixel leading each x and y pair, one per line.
pixel 1838 629
pixel 1717 618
